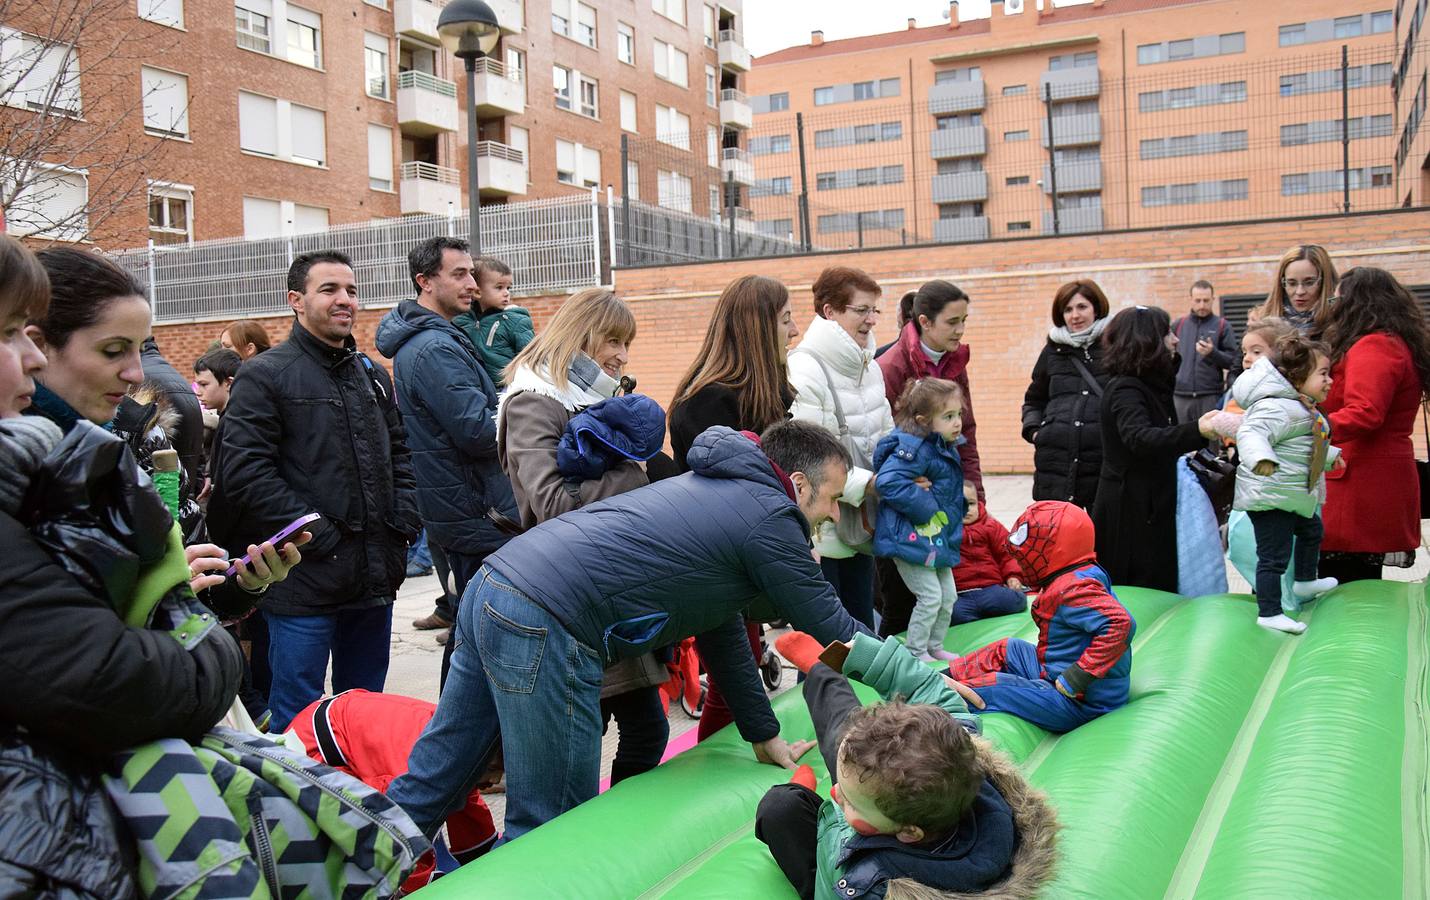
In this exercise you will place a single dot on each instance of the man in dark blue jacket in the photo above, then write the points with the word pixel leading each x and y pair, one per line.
pixel 683 556
pixel 449 405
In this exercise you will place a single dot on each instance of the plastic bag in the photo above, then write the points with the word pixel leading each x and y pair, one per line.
pixel 1201 569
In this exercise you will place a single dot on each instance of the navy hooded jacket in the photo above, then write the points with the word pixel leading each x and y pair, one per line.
pixel 680 557
pixel 606 433
pixel 449 406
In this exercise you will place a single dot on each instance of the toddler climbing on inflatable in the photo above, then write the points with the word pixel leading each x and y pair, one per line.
pixel 1285 450
pixel 917 800
pixel 1082 663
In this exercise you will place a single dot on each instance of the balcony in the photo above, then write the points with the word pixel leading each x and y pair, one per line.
pixel 735 109
pixel 425 188
pixel 1070 84
pixel 499 92
pixel 501 170
pixel 1076 176
pixel 1074 221
pixel 509 15
pixel 736 163
pixel 733 54
pixel 970 228
pixel 1075 131
pixel 953 143
pixel 426 104
pixel 960 187
pixel 957 97
pixel 417 19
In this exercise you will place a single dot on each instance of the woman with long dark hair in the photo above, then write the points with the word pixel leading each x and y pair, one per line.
pixel 1380 371
pixel 1135 513
pixel 1062 406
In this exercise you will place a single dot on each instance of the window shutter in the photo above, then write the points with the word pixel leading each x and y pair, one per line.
pixel 258 124
pixel 309 218
pixel 309 135
pixel 166 102
pixel 261 218
pixel 379 156
pixel 165 12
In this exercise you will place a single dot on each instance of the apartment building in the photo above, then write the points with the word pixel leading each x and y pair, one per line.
pixel 1109 114
pixel 1412 70
pixel 261 118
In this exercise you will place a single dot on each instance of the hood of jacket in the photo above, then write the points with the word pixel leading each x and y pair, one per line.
pixel 406 321
pixel 951 365
pixel 721 452
pixel 829 341
pixel 1050 537
pixel 1263 381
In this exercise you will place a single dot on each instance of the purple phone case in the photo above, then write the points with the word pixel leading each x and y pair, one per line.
pixel 277 540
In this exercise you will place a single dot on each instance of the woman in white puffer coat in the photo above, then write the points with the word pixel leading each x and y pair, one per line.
pixel 834 375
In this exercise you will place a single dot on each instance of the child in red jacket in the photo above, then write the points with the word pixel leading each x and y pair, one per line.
pixel 987 575
pixel 369 736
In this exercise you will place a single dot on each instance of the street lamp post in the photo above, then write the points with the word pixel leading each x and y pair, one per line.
pixel 469 30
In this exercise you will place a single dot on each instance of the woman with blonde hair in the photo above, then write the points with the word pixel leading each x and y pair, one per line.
pixel 245 337
pixel 1305 279
pixel 576 362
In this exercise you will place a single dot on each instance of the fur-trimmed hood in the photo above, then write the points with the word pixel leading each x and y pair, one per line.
pixel 1035 860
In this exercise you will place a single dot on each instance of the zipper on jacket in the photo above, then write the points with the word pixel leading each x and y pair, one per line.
pixel 314 780
pixel 263 848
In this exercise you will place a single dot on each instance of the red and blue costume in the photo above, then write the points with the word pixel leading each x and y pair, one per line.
pixel 1082 663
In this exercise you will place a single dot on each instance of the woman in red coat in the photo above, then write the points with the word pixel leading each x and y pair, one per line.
pixel 1380 355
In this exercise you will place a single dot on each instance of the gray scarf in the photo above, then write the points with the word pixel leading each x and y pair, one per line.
pixel 1059 334
pixel 25 441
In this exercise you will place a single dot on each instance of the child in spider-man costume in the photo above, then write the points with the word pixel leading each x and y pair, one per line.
pixel 1082 662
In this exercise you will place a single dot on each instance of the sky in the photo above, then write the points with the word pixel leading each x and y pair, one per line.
pixel 775 24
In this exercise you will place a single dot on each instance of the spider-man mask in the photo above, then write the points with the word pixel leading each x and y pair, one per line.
pixel 1051 536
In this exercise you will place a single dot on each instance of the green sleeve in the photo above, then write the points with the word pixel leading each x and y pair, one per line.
pixel 889 668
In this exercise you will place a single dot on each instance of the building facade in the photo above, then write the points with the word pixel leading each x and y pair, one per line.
pixel 1412 69
pixel 1106 115
pixel 188 120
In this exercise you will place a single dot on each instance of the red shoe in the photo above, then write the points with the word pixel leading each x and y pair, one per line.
pixel 800 649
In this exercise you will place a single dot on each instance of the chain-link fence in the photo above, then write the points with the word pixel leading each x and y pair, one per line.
pixel 1072 152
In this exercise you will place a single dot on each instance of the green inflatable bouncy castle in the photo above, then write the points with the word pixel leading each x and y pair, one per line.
pixel 1248 764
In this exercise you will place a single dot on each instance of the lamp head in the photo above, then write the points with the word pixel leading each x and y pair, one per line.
pixel 468 28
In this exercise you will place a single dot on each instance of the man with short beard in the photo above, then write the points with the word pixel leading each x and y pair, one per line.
pixel 311 426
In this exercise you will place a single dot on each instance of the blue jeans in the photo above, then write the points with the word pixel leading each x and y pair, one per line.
pixel 987 602
pixel 519 677
pixel 298 648
pixel 417 554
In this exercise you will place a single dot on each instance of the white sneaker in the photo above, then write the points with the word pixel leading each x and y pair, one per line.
pixel 1310 590
pixel 925 657
pixel 1281 622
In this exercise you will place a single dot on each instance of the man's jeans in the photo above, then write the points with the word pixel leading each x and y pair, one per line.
pixel 513 664
pixel 298 649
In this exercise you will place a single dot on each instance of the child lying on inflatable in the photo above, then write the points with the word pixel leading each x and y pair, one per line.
pixel 1082 663
pixel 918 802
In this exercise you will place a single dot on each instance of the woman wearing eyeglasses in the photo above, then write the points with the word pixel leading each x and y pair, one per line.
pixel 1380 373
pixel 1304 279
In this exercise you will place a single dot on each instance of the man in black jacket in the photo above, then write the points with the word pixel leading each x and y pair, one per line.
pixel 1208 347
pixel 311 426
pixel 449 406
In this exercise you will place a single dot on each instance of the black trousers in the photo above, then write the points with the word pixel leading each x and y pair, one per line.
pixel 787 819
pixel 642 727
pixel 1274 529
pixel 896 600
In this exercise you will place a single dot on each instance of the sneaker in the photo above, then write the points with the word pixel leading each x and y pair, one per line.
pixel 1310 590
pixel 444 635
pixel 432 621
pixel 925 657
pixel 940 653
pixel 1281 622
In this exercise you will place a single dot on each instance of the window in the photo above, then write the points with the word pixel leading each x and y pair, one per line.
pixel 1014 90
pixel 379 157
pixel 281 129
pixel 561 84
pixel 950 76
pixel 1348 27
pixel 561 17
pixel 866 90
pixel 1011 136
pixel 766 145
pixel 866 176
pixel 672 64
pixel 590 96
pixel 962 164
pixel 625 43
pixel 673 191
pixel 51 205
pixel 1291 35
pixel 823 96
pixel 1333 181
pixel 516 66
pixel 780 143
pixel 628 111
pixel 960 210
pixel 1020 226
pixel 577 164
pixel 673 10
pixel 712 94
pixel 1016 181
pixel 712 145
pixel 586 24
pixel 891 131
pixel 866 134
pixel 633 179
pixel 305 45
pixel 273 218
pixel 708 21
pixel 779 102
pixel 166 102
pixel 164 12
pixel 826 181
pixel 1195 192
pixel 966 120
pixel 253 25
pixel 774 187
pixel 1381 22
pixel 1292 185
pixel 374 49
pixel 783 228
pixel 1086 59
pixel 170 217
pixel 889 87
pixel 714 202
pixel 520 140
pixel 672 127
pixel 38 75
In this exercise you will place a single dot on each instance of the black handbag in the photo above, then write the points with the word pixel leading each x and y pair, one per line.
pixel 1217 476
pixel 1422 467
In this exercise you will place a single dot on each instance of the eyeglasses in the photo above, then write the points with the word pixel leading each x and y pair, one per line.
pixel 863 312
pixel 1292 284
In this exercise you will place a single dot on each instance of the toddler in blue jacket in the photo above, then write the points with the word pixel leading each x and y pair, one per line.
pixel 921 506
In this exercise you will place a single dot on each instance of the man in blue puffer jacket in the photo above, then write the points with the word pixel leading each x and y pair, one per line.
pixel 684 556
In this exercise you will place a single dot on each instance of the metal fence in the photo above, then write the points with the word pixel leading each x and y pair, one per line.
pixel 1071 151
pixel 552 246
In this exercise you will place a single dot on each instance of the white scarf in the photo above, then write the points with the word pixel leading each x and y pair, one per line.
pixel 586 385
pixel 1059 334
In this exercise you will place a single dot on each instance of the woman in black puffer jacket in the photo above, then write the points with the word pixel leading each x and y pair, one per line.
pixel 1060 408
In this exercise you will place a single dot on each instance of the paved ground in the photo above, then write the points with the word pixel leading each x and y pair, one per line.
pixel 417 658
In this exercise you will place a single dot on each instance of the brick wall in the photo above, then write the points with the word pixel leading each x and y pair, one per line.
pixel 1011 284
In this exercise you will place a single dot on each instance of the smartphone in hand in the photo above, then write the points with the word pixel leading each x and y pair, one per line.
pixel 277 540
